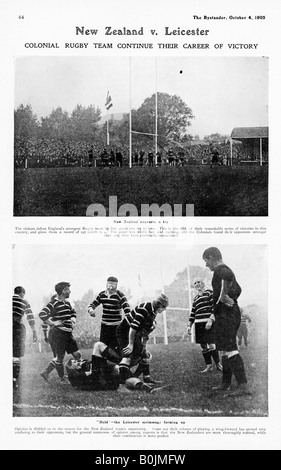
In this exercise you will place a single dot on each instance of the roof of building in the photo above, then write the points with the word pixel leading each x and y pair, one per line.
pixel 249 133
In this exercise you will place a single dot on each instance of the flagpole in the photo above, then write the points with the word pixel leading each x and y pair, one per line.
pixel 107 129
pixel 130 114
pixel 156 116
pixel 164 314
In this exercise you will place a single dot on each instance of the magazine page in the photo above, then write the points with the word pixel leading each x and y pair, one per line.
pixel 140 227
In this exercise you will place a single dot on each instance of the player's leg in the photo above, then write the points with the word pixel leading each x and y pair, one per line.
pixel 215 355
pixel 102 350
pixel 52 365
pixel 239 336
pixel 61 341
pixel 245 335
pixel 226 374
pixel 16 371
pixel 207 358
pixel 124 369
pixel 19 336
pixel 235 360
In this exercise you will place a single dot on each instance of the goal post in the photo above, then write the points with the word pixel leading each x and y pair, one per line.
pixel 166 328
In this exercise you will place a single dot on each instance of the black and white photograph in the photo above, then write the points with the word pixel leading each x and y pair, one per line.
pixel 140 227
pixel 147 131
pixel 179 331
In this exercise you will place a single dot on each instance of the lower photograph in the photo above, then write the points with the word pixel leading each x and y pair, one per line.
pixel 141 330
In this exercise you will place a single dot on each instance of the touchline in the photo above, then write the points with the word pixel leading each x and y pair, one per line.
pixel 146 210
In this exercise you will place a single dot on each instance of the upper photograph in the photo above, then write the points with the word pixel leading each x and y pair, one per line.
pixel 140 136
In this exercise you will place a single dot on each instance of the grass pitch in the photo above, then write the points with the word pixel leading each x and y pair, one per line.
pixel 217 191
pixel 177 364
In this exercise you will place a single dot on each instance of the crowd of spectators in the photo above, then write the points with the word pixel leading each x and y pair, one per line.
pixel 42 153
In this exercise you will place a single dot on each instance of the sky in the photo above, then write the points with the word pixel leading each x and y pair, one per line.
pixel 39 267
pixel 223 92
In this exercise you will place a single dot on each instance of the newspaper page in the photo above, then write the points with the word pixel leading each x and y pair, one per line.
pixel 140 227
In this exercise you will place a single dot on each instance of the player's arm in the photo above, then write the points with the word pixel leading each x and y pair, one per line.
pixel 145 336
pixel 34 333
pixel 125 305
pixel 224 297
pixel 191 319
pixel 45 332
pixel 73 318
pixel 51 322
pixel 144 342
pixel 46 315
pixel 31 320
pixel 93 305
pixel 212 317
pixel 129 348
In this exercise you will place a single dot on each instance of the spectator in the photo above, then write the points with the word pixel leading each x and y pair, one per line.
pixel 141 158
pixel 150 157
pixel 242 333
pixel 136 158
pixel 91 156
pixel 119 158
pixel 171 157
pixel 215 156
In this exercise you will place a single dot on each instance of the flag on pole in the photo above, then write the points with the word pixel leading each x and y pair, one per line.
pixel 108 102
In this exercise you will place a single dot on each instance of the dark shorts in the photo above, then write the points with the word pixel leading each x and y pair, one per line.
pixel 108 335
pixel 226 326
pixel 19 335
pixel 122 335
pixel 202 335
pixel 63 342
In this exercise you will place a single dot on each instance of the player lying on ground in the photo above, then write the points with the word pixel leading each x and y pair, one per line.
pixel 102 371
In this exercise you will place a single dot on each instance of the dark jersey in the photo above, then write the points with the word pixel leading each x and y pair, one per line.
pixel 224 273
pixel 86 379
pixel 112 306
pixel 59 310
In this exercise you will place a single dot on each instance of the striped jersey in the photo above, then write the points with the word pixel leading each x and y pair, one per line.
pixel 59 310
pixel 142 317
pixel 202 307
pixel 21 307
pixel 112 305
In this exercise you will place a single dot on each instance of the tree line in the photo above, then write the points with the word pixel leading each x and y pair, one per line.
pixel 84 124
